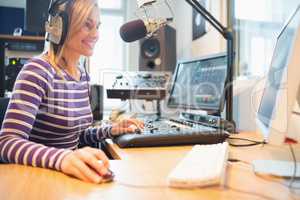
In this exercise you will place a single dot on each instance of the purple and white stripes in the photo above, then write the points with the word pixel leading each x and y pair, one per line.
pixel 47 117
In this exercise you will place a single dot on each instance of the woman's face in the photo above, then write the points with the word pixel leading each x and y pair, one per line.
pixel 84 40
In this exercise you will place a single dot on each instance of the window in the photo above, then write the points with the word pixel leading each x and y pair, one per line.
pixel 257 24
pixel 109 53
pixel 111 4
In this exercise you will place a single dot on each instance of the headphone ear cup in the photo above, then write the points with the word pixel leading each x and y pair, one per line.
pixel 56 27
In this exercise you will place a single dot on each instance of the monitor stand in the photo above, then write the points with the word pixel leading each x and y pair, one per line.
pixel 276 168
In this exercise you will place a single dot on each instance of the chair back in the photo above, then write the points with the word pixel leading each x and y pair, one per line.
pixel 3 106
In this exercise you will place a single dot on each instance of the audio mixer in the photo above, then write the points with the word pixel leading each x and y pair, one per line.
pixel 172 131
pixel 140 85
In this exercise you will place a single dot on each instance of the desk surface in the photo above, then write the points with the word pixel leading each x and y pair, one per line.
pixel 141 174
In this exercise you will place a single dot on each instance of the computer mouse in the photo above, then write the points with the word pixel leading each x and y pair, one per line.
pixel 109 177
pixel 137 131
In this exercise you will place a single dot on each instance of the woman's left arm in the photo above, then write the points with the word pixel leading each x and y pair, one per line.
pixel 96 134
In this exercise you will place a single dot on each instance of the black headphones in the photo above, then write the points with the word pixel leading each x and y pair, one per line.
pixel 58 21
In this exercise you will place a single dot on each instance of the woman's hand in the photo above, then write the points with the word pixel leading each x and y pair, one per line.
pixel 127 126
pixel 84 164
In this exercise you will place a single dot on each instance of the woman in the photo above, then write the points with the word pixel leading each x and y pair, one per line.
pixel 49 113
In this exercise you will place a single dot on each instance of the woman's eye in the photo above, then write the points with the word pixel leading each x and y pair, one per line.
pixel 88 25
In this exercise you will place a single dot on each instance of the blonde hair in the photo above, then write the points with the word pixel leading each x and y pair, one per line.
pixel 78 14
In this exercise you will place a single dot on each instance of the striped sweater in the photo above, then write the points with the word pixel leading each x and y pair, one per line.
pixel 47 117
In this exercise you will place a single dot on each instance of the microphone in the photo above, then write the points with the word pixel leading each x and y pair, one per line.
pixel 138 29
pixel 142 3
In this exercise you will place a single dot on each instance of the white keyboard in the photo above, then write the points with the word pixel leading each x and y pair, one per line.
pixel 204 165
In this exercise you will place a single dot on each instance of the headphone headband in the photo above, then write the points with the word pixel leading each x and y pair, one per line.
pixel 54 4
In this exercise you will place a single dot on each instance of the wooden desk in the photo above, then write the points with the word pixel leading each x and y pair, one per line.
pixel 141 174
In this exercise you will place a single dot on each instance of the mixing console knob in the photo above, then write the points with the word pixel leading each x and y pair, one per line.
pixel 212 121
pixel 153 129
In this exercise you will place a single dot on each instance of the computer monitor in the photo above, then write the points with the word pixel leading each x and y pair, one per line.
pixel 281 84
pixel 199 84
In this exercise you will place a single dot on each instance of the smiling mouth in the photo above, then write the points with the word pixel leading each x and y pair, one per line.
pixel 89 44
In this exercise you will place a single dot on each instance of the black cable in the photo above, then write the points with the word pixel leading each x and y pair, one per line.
pixel 237 160
pixel 295 167
pixel 87 82
pixel 251 142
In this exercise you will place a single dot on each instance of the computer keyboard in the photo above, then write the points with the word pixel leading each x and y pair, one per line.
pixel 167 132
pixel 204 165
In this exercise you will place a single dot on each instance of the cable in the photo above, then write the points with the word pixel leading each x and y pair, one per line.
pixel 252 142
pixel 170 8
pixel 140 186
pixel 292 179
pixel 295 167
pixel 248 193
pixel 237 160
pixel 283 184
pixel 87 82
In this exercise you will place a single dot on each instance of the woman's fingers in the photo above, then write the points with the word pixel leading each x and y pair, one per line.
pixel 127 126
pixel 136 122
pixel 100 155
pixel 90 174
pixel 76 173
pixel 122 130
pixel 89 157
pixel 129 130
pixel 84 164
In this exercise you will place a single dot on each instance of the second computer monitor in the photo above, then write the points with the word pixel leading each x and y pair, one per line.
pixel 281 84
pixel 199 84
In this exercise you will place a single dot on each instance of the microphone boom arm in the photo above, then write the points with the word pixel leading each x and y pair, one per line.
pixel 228 36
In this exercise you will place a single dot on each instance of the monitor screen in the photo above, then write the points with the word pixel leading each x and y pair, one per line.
pixel 276 77
pixel 199 84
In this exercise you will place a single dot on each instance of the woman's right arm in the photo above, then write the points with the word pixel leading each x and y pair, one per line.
pixel 30 87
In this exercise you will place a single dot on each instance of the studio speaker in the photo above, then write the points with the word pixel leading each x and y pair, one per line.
pixel 158 53
pixel 96 99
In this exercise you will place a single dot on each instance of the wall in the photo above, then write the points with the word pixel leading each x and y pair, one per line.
pixel 210 43
pixel 183 24
pixel 246 102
